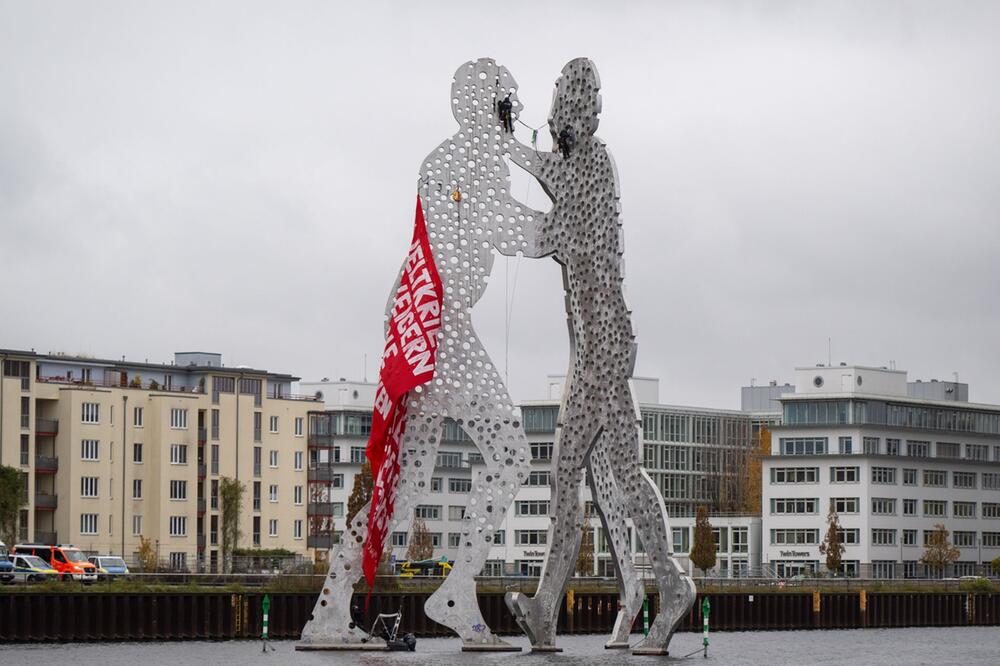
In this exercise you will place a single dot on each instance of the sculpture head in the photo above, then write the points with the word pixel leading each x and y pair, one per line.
pixel 576 101
pixel 476 88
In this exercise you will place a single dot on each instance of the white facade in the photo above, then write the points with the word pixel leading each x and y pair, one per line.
pixel 891 466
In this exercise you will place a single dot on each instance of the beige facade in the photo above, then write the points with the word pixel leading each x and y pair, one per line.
pixel 113 450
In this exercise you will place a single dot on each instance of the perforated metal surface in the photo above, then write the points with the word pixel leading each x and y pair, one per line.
pixel 599 422
pixel 463 229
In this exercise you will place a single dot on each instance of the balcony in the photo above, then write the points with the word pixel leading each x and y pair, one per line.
pixel 46 465
pixel 201 506
pixel 46 427
pixel 320 509
pixel 202 471
pixel 320 473
pixel 46 538
pixel 202 435
pixel 321 441
pixel 324 541
pixel 45 502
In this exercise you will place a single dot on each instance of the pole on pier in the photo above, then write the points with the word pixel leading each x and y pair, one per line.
pixel 645 615
pixel 705 608
pixel 266 607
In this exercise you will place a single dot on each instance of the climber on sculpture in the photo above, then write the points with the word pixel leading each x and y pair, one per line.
pixel 467 209
pixel 598 424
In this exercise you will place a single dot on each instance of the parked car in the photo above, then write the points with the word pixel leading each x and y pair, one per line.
pixel 6 566
pixel 109 566
pixel 31 569
pixel 68 560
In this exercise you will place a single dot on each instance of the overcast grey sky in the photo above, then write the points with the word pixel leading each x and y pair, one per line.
pixel 239 177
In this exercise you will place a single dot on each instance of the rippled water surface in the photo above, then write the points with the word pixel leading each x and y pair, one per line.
pixel 969 646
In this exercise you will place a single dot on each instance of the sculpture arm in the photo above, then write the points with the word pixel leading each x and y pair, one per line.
pixel 534 240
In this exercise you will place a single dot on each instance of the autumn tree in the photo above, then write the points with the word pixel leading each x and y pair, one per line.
pixel 585 558
pixel 361 493
pixel 12 500
pixel 832 546
pixel 939 552
pixel 147 555
pixel 703 549
pixel 231 495
pixel 421 547
pixel 738 475
pixel 996 564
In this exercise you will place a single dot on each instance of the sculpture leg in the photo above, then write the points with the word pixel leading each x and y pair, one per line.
pixel 611 507
pixel 538 615
pixel 331 625
pixel 677 591
pixel 491 425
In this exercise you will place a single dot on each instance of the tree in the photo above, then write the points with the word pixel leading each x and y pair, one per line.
pixel 832 546
pixel 147 555
pixel 585 559
pixel 703 550
pixel 939 552
pixel 996 564
pixel 738 474
pixel 361 493
pixel 421 547
pixel 12 499
pixel 231 495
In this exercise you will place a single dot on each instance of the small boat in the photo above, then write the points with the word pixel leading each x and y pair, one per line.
pixel 386 626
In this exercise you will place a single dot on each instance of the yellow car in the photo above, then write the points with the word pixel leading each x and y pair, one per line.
pixel 30 568
pixel 425 568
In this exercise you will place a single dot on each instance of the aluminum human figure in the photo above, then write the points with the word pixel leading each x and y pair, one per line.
pixel 464 185
pixel 599 423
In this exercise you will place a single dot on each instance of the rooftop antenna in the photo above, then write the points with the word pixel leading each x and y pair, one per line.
pixel 829 352
pixel 364 367
pixel 753 382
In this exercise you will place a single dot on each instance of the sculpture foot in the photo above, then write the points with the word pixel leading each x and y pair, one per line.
pixel 533 620
pixel 615 645
pixel 652 651
pixel 679 603
pixel 458 609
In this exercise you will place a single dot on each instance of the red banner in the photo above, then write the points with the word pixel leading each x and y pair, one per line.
pixel 407 362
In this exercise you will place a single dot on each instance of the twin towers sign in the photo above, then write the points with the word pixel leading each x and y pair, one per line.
pixel 435 367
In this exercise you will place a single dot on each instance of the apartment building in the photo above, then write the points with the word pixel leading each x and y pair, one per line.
pixel 893 459
pixel 112 450
pixel 695 448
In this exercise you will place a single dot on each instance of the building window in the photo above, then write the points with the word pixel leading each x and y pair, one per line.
pixel 427 512
pixel 298 461
pixel 531 508
pixel 436 539
pixel 963 479
pixel 178 561
pixel 178 526
pixel 892 447
pixel 137 417
pixel 680 539
pixel 977 452
pixel 179 418
pixel 991 539
pixel 741 540
pixel 255 535
pixel 456 512
pixel 884 475
pixel 137 452
pixel 909 537
pixel 137 489
pixel 136 525
pixel 215 458
pixel 298 426
pixel 909 477
pixel 25 450
pixel 273 424
pixel 272 493
pixel 178 454
pixel 541 450
pixel 883 569
pixel 963 539
pixel 964 509
pixel 542 478
pixel 297 529
pixel 338 509
pixel 272 527
pixel 337 481
pixel 88 523
pixel 871 445
pixel 844 474
pixel 399 539
pixel 883 506
pixel 949 450
pixel 850 536
pixel 89 449
pixel 847 445
pixel 883 537
pixel 499 538
pixel 257 455
pixel 178 490
pixel 935 478
pixel 272 459
pixel 454 539
pixel 802 446
pixel 435 484
pixel 358 454
pixel 88 486
pixel 256 495
pixel 215 424
pixel 531 537
pixel 785 475
pixel 909 507
pixel 213 496
pixel 844 504
pixel 459 485
pixel 91 412
pixel 918 449
pixel 257 418
pixel 297 495
pixel 793 505
pixel 796 537
pixel 935 508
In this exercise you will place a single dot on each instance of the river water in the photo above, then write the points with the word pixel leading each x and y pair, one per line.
pixel 968 646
